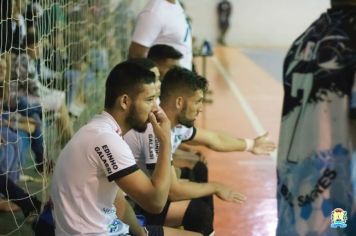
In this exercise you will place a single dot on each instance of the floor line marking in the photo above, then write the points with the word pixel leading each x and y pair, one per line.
pixel 256 124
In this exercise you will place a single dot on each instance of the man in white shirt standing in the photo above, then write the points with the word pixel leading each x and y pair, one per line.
pixel 96 163
pixel 163 22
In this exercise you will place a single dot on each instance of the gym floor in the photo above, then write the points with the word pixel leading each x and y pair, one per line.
pixel 247 99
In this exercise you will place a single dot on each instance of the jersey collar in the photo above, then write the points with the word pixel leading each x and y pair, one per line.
pixel 112 122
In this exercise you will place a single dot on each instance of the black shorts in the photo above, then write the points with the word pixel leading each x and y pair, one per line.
pixel 153 219
pixel 155 230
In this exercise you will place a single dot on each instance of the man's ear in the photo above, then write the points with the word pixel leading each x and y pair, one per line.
pixel 179 102
pixel 123 102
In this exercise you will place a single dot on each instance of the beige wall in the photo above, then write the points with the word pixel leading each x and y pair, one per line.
pixel 257 22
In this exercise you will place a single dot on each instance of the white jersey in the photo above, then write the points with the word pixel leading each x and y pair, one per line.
pixel 145 146
pixel 162 22
pixel 83 187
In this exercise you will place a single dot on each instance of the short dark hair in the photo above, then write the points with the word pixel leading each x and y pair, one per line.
pixel 181 79
pixel 162 52
pixel 143 62
pixel 336 3
pixel 126 78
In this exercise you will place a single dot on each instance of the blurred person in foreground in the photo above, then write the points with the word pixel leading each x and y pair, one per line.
pixel 317 137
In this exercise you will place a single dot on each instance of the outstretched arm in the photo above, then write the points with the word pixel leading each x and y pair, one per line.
pixel 186 190
pixel 225 143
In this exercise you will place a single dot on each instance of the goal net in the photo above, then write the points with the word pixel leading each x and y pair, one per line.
pixel 55 55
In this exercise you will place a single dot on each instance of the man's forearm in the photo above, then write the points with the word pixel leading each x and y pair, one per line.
pixel 127 215
pixel 129 218
pixel 185 190
pixel 226 143
pixel 161 177
pixel 218 141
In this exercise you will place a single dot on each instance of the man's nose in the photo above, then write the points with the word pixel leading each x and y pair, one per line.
pixel 155 106
pixel 200 108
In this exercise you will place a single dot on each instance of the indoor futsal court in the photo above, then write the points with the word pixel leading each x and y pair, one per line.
pixel 101 99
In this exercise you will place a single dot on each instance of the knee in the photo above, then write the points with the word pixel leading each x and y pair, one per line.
pixel 199 217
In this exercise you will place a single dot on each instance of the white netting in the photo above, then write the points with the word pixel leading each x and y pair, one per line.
pixel 54 58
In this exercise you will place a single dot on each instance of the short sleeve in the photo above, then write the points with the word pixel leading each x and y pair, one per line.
pixel 181 134
pixel 145 147
pixel 148 27
pixel 132 139
pixel 152 149
pixel 114 155
pixel 188 133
